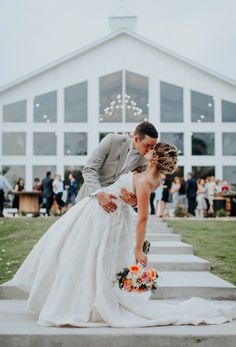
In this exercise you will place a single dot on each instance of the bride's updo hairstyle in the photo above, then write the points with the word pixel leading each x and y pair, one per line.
pixel 167 157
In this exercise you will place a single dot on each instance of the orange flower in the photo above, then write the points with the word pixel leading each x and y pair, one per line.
pixel 134 269
pixel 152 274
pixel 127 283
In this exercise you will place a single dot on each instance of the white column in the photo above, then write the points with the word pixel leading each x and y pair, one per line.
pixel 29 143
pixel 154 102
pixel 59 130
pixel 187 130
pixel 93 113
pixel 218 138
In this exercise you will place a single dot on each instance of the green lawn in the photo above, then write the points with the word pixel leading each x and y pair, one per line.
pixel 211 240
pixel 17 238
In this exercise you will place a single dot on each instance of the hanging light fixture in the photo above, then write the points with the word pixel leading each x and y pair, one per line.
pixel 117 104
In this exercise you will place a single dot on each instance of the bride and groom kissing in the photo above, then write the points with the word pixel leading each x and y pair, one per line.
pixel 69 273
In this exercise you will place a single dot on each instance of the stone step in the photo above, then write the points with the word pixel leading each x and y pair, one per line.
pixel 171 284
pixel 8 291
pixel 154 229
pixel 178 262
pixel 163 237
pixel 19 328
pixel 186 284
pixel 170 247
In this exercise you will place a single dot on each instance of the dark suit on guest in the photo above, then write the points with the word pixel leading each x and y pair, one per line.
pixel 191 192
pixel 47 193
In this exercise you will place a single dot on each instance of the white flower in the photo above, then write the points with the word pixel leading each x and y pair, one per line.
pixel 129 276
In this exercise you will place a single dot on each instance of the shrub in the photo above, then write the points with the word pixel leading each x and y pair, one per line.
pixel 181 211
pixel 221 213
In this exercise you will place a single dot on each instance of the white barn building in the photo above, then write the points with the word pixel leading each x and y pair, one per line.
pixel 53 118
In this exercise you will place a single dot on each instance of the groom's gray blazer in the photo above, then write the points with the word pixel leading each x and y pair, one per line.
pixel 106 164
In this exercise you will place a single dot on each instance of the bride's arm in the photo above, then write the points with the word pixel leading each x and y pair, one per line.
pixel 143 192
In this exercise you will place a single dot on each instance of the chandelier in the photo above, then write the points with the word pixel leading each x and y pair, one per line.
pixel 130 106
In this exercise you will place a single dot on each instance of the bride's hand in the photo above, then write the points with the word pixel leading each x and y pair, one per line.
pixel 140 257
pixel 128 197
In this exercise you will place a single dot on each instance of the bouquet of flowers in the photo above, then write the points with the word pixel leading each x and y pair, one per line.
pixel 136 278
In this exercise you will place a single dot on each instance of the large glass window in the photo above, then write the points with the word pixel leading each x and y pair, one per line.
pixel 15 112
pixel 228 111
pixel 39 171
pixel 203 144
pixel 45 108
pixel 76 103
pixel 171 103
pixel 229 143
pixel 203 171
pixel 202 107
pixel 75 144
pixel 110 96
pixel 229 174
pixel 13 173
pixel 13 143
pixel 45 144
pixel 176 139
pixel 136 98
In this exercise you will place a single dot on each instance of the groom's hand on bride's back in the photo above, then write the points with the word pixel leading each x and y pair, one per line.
pixel 106 201
pixel 128 197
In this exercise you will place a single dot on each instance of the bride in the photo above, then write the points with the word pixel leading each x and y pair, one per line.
pixel 70 271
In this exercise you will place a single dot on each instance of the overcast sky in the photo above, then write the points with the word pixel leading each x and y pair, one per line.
pixel 34 33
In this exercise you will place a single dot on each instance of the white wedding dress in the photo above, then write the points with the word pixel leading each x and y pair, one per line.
pixel 69 274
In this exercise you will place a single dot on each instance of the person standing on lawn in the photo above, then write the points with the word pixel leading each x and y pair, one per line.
pixel 4 188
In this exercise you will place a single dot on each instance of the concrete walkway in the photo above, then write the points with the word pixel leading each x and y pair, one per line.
pixel 181 275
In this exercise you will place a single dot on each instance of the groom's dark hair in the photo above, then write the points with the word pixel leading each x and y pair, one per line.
pixel 146 128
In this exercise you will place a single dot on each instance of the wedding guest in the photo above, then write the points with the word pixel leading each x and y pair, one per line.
pixel 5 187
pixel 211 189
pixel 47 192
pixel 182 200
pixel 73 189
pixel 225 186
pixel 175 187
pixel 201 202
pixel 19 187
pixel 206 194
pixel 57 185
pixel 165 198
pixel 158 197
pixel 191 192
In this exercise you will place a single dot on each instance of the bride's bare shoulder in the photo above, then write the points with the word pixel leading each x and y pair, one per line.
pixel 141 182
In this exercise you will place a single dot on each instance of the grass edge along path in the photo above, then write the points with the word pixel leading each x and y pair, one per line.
pixel 214 241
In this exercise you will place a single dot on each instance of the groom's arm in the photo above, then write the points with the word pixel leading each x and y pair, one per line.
pixel 95 162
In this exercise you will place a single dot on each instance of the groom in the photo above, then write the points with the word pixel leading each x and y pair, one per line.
pixel 115 155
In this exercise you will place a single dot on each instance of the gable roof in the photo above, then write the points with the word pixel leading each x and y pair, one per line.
pixel 109 37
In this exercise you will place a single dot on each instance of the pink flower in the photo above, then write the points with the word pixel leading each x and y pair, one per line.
pixel 144 277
